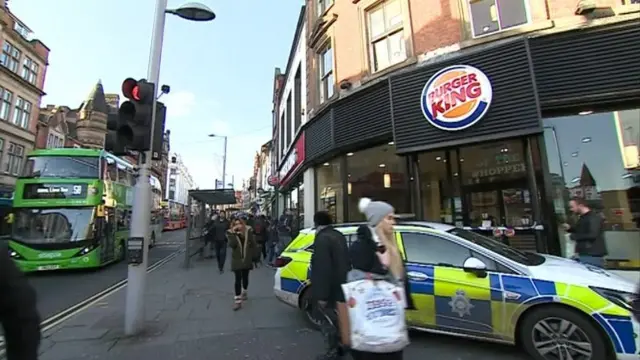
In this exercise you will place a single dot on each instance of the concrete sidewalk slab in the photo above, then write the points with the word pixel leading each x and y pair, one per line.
pixel 188 315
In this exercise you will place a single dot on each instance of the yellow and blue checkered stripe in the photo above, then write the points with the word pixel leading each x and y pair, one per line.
pixel 496 302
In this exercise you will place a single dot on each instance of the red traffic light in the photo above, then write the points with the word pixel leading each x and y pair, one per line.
pixel 130 89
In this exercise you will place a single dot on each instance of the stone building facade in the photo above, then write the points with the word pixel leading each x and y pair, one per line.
pixel 23 65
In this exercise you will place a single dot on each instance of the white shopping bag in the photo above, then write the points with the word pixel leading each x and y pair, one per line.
pixel 569 246
pixel 376 316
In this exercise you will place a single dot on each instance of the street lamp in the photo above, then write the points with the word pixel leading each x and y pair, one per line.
pixel 193 12
pixel 140 214
pixel 224 159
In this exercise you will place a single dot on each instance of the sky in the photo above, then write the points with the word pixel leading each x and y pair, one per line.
pixel 220 72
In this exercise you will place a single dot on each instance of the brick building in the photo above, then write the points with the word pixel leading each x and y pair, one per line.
pixel 484 114
pixel 23 65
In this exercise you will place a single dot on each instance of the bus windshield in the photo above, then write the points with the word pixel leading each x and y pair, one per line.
pixel 83 167
pixel 49 226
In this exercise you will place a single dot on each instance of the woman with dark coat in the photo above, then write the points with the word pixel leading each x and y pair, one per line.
pixel 243 249
pixel 376 252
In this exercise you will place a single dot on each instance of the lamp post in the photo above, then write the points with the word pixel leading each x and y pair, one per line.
pixel 224 159
pixel 140 216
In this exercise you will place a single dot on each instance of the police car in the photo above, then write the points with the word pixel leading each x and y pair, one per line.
pixel 466 284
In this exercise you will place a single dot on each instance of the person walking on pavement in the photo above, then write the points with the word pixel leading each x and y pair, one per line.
pixel 261 230
pixel 376 252
pixel 18 312
pixel 284 231
pixel 272 243
pixel 329 268
pixel 587 233
pixel 220 227
pixel 243 248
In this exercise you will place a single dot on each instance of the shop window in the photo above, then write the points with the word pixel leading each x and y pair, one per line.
pixel 494 184
pixel 330 191
pixel 595 157
pixel 490 16
pixel 377 173
pixel 386 37
pixel 439 187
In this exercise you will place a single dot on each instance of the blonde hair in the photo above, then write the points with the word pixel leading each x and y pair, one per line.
pixel 396 264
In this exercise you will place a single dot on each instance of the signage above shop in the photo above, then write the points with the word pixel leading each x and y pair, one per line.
pixel 456 97
pixel 272 180
pixel 293 161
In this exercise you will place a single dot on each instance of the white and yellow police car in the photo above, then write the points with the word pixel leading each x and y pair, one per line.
pixel 466 284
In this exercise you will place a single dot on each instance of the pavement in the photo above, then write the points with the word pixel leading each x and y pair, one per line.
pixel 189 315
pixel 60 290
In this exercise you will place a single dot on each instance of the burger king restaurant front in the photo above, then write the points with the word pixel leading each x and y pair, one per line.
pixel 495 138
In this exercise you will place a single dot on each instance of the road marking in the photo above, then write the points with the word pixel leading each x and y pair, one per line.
pixel 72 311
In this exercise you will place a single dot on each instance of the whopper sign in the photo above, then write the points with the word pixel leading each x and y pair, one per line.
pixel 292 162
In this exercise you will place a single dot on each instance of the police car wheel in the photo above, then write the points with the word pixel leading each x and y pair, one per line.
pixel 553 332
pixel 308 308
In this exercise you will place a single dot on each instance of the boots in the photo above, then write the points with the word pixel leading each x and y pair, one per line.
pixel 237 303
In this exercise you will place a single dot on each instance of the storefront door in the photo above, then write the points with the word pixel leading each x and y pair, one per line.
pixel 505 203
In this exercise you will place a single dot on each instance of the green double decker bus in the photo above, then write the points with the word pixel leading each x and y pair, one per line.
pixel 72 210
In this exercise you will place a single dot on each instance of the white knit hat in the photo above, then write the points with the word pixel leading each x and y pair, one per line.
pixel 375 211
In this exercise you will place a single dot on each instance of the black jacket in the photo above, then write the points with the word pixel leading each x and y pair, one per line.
pixel 329 265
pixel 363 257
pixel 589 235
pixel 18 313
pixel 217 230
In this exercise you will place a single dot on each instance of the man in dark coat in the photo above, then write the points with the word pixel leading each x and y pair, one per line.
pixel 329 268
pixel 18 313
pixel 588 233
pixel 219 230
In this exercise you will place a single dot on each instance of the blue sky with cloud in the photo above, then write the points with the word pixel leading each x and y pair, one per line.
pixel 220 72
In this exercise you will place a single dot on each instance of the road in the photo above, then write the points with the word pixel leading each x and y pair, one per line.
pixel 57 291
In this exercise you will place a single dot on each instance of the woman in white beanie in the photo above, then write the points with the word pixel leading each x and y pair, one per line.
pixel 376 253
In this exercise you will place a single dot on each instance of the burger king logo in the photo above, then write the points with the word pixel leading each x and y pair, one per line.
pixel 456 97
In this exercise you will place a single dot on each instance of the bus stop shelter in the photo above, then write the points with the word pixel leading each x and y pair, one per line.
pixel 197 217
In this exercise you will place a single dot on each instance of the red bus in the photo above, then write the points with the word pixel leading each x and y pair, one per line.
pixel 175 215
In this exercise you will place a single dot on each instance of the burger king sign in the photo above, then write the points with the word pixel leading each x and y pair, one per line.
pixel 456 97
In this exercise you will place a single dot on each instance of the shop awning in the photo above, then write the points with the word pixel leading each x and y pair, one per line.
pixel 214 197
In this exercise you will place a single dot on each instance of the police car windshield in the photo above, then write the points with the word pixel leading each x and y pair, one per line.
pixel 525 258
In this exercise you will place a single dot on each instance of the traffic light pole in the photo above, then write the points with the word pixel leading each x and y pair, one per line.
pixel 141 212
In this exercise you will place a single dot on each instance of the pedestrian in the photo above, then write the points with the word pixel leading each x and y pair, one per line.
pixel 220 227
pixel 375 255
pixel 243 249
pixel 284 231
pixel 329 267
pixel 587 233
pixel 272 243
pixel 18 312
pixel 260 229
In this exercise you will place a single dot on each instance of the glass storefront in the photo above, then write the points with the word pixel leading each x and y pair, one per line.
pixel 294 202
pixel 377 173
pixel 481 185
pixel 595 157
pixel 330 196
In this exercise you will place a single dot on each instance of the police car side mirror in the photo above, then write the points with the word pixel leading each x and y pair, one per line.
pixel 475 266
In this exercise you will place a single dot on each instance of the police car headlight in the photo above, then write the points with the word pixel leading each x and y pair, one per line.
pixel 620 298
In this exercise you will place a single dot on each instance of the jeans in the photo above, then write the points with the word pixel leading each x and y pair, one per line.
pixel 221 253
pixel 329 328
pixel 271 253
pixel 241 282
pixel 591 260
pixel 283 242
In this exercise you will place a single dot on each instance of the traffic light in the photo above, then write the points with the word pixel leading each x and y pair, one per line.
pixel 134 115
pixel 112 142
pixel 158 131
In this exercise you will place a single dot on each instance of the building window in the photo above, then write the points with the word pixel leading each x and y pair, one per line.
pixel 596 157
pixel 490 16
pixel 10 57
pixel 22 30
pixel 15 154
pixel 323 5
pixel 326 73
pixel 377 173
pixel 5 106
pixel 330 190
pixel 386 38
pixel 30 70
pixel 22 113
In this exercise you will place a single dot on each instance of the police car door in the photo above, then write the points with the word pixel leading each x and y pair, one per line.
pixel 447 298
